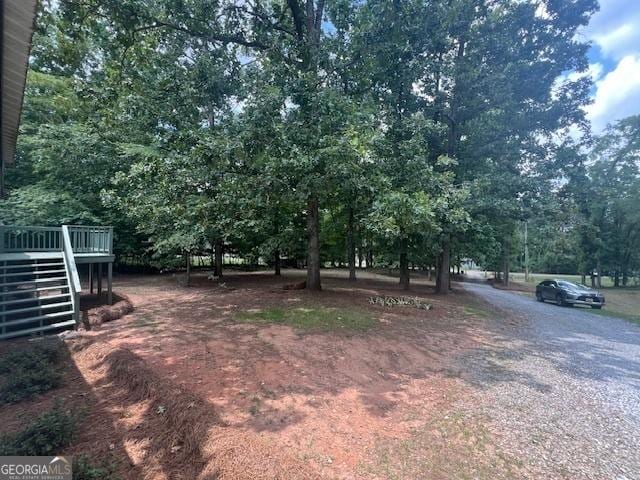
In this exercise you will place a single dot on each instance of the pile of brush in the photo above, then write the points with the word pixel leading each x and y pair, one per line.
pixel 390 301
pixel 106 313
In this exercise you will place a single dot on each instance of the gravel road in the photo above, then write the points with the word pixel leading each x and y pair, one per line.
pixel 561 387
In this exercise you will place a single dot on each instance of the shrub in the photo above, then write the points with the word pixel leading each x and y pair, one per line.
pixel 30 371
pixel 46 436
pixel 83 469
pixel 31 356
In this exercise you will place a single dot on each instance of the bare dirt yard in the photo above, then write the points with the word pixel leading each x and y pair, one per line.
pixel 243 379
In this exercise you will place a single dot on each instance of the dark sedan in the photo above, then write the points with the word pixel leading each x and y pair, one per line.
pixel 567 294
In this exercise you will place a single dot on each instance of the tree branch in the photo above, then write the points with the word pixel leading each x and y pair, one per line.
pixel 298 20
pixel 213 37
pixel 318 21
pixel 310 17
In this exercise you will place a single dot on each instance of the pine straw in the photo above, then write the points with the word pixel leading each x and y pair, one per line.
pixel 183 436
pixel 106 313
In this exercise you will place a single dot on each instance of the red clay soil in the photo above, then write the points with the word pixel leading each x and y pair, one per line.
pixel 181 389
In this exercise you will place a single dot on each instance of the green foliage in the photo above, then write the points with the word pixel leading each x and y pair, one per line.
pixel 29 371
pixel 313 318
pixel 39 204
pixel 410 128
pixel 30 356
pixel 47 435
pixel 85 469
pixel 605 192
pixel 400 215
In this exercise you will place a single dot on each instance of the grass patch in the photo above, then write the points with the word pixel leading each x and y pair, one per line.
pixel 255 406
pixel 85 469
pixel 30 371
pixel 452 445
pixel 622 302
pixel 312 318
pixel 478 312
pixel 50 432
pixel 145 320
pixel 607 312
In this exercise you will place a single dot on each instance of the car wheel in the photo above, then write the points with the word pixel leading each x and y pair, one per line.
pixel 539 297
pixel 560 300
pixel 596 307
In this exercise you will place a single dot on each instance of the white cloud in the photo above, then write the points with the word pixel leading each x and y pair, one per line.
pixel 594 71
pixel 617 94
pixel 616 28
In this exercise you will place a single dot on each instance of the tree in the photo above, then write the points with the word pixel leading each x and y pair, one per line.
pixel 606 189
pixel 424 129
pixel 492 85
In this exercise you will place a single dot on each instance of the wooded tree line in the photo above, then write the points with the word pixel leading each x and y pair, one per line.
pixel 403 132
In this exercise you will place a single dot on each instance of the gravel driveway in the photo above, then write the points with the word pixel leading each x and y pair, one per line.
pixel 561 386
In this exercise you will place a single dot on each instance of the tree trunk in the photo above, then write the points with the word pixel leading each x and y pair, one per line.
pixel 404 265
pixel 526 252
pixel 351 245
pixel 276 262
pixel 188 260
pixel 505 262
pixel 599 275
pixel 2 174
pixel 219 256
pixel 442 274
pixel 443 278
pixel 313 249
pixel 307 22
pixel 369 258
pixel 213 256
pixel 616 278
pixel 360 256
pixel 276 253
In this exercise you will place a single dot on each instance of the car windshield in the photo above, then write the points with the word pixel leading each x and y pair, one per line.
pixel 576 286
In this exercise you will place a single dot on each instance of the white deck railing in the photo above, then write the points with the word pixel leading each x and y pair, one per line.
pixel 83 239
pixel 91 239
pixel 30 239
pixel 72 273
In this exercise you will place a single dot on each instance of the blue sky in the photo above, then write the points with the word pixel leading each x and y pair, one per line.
pixel 614 61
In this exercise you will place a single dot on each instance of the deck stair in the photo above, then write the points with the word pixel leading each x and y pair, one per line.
pixel 39 283
pixel 35 296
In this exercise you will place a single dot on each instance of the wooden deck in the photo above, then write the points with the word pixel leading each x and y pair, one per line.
pixel 34 260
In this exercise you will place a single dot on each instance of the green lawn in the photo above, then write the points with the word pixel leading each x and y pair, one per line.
pixel 312 318
pixel 622 302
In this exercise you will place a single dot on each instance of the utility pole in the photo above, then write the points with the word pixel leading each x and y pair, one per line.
pixel 526 252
